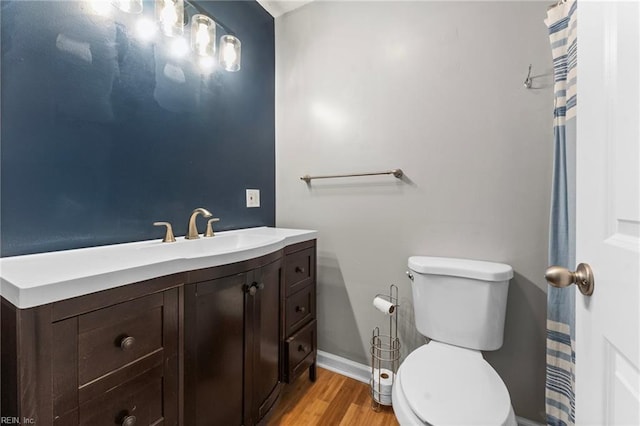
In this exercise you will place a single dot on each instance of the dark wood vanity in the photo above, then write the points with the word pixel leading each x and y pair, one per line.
pixel 204 347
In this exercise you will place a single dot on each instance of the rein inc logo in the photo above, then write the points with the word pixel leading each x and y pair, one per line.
pixel 17 420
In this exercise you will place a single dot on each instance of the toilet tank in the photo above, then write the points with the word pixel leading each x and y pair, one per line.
pixel 460 301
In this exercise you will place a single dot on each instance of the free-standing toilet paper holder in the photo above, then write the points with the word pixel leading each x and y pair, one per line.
pixel 385 353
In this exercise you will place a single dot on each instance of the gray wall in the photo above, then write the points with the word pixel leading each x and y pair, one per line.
pixel 437 90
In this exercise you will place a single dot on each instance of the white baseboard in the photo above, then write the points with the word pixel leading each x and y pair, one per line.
pixel 346 367
pixel 362 372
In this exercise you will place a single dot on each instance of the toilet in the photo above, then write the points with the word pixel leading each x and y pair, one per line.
pixel 460 305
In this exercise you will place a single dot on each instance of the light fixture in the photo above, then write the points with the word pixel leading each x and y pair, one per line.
pixel 230 53
pixel 129 6
pixel 170 15
pixel 203 35
pixel 170 19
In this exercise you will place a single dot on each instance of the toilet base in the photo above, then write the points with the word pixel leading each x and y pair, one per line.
pixel 406 417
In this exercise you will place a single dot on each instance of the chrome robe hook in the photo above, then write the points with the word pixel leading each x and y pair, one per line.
pixel 528 82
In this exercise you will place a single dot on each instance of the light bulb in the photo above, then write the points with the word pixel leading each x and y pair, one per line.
pixel 230 53
pixel 170 14
pixel 203 35
pixel 202 39
pixel 169 17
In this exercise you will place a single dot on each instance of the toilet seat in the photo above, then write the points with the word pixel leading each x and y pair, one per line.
pixel 444 384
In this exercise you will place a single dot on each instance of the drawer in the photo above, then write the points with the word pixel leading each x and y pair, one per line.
pixel 135 402
pixel 113 337
pixel 300 350
pixel 299 270
pixel 300 308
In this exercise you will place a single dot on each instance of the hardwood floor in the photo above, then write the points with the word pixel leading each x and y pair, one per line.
pixel 332 400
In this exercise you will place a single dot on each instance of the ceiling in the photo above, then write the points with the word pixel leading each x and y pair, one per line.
pixel 280 7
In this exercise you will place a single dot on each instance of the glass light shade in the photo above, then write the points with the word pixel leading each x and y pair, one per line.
pixel 170 16
pixel 229 53
pixel 129 6
pixel 203 35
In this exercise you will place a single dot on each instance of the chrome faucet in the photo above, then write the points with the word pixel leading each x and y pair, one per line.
pixel 193 229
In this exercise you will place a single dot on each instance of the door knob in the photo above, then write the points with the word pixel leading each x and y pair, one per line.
pixel 558 276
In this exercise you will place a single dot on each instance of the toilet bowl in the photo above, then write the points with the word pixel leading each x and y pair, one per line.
pixel 460 304
pixel 440 384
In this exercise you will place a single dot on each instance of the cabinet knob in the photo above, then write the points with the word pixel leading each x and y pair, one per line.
pixel 299 270
pixel 129 421
pixel 301 309
pixel 127 344
pixel 303 348
pixel 253 288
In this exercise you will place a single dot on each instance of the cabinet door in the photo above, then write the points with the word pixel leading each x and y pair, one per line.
pixel 214 351
pixel 266 336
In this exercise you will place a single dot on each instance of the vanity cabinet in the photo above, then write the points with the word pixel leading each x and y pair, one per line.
pixel 232 338
pixel 208 346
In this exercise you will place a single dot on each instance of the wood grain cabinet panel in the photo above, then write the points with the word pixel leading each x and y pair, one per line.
pixel 214 351
pixel 78 371
pixel 301 308
pixel 299 302
pixel 138 401
pixel 300 350
pixel 232 346
pixel 299 270
pixel 118 335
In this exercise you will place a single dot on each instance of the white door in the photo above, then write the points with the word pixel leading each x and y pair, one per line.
pixel 608 213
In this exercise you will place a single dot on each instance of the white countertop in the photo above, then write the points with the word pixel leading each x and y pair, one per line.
pixel 38 279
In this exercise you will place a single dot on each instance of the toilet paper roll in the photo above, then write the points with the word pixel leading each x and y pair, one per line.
pixel 382 382
pixel 383 305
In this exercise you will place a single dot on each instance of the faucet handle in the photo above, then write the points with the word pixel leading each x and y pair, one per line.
pixel 168 236
pixel 209 231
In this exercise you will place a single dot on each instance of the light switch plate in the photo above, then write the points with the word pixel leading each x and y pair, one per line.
pixel 253 198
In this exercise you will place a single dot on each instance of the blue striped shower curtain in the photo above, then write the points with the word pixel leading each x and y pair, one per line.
pixel 560 382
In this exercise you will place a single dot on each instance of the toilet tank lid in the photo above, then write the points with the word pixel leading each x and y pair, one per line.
pixel 466 268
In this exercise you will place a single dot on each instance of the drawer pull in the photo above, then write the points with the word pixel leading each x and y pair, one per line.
pixel 301 309
pixel 129 421
pixel 303 348
pixel 127 344
pixel 253 288
pixel 299 270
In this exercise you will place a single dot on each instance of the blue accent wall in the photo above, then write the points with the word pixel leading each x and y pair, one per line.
pixel 103 134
